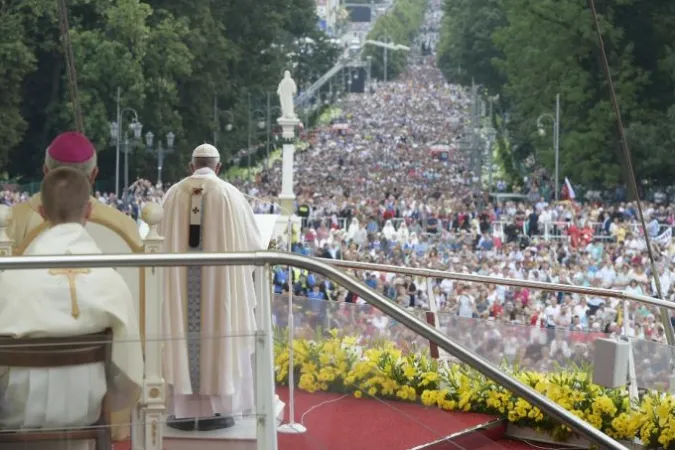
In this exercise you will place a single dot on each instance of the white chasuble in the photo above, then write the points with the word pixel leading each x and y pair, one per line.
pixel 62 303
pixel 213 306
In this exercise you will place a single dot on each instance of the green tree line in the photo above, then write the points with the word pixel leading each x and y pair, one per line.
pixel 527 51
pixel 399 25
pixel 173 60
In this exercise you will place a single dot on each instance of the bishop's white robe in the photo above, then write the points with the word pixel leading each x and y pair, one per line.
pixel 37 303
pixel 211 373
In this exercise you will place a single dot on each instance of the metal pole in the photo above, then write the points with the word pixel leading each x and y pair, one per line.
pixel 215 121
pixel 556 145
pixel 269 131
pixel 117 144
pixel 160 161
pixel 474 116
pixel 490 151
pixel 398 313
pixel 126 163
pixel 386 60
pixel 250 138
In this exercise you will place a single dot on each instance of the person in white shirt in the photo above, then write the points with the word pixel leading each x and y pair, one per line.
pixel 467 306
pixel 551 313
pixel 62 303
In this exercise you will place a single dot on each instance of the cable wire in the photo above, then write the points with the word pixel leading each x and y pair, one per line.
pixel 70 66
pixel 665 315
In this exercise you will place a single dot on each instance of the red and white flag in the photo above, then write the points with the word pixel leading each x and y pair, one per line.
pixel 567 192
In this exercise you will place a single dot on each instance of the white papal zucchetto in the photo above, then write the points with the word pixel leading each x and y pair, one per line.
pixel 205 151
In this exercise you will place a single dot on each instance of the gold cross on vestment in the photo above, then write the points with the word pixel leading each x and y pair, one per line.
pixel 71 274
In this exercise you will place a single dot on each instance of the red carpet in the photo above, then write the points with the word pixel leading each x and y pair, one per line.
pixel 360 424
pixel 369 424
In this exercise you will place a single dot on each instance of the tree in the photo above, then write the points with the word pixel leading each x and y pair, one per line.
pixel 529 51
pixel 16 61
pixel 399 25
pixel 172 59
pixel 466 49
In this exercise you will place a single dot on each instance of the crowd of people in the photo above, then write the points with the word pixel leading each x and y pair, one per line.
pixel 387 182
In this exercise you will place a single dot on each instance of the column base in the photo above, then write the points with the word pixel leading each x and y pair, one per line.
pixel 281 227
pixel 287 203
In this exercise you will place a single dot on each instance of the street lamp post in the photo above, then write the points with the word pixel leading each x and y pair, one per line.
pixel 386 54
pixel 259 120
pixel 217 118
pixel 491 133
pixel 160 151
pixel 556 139
pixel 116 134
pixel 270 109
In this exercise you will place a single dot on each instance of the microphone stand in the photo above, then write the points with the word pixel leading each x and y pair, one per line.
pixel 292 427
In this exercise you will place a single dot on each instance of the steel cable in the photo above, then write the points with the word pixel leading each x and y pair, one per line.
pixel 70 66
pixel 665 315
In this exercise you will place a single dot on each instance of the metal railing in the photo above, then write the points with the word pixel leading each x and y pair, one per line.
pixel 664 305
pixel 550 287
pixel 398 313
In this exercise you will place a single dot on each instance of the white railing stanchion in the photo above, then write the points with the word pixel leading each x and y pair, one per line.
pixel 632 376
pixel 5 241
pixel 291 427
pixel 153 399
pixel 264 364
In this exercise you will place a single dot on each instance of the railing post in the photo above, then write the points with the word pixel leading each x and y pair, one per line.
pixel 432 317
pixel 264 363
pixel 153 402
pixel 5 241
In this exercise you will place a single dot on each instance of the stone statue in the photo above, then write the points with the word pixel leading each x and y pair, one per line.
pixel 286 90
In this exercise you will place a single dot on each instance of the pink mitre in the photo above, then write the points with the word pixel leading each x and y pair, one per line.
pixel 71 147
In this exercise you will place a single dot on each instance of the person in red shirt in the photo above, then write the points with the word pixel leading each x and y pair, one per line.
pixel 586 235
pixel 496 310
pixel 574 233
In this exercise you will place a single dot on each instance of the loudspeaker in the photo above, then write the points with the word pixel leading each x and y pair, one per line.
pixel 610 363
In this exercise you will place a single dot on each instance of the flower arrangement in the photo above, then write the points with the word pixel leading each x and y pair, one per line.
pixel 341 364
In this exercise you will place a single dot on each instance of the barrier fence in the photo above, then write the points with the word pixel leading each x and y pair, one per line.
pixel 548 231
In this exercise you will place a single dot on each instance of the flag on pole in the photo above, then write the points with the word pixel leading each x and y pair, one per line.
pixel 567 192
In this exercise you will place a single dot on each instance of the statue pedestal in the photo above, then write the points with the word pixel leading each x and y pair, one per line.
pixel 287 196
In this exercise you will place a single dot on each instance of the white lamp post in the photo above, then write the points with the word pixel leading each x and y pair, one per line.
pixel 160 151
pixel 556 139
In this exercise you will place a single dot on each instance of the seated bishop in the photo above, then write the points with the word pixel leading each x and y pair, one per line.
pixel 70 149
pixel 63 303
pixel 209 311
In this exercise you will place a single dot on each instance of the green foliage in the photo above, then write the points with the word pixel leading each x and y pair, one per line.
pixel 172 60
pixel 527 51
pixel 398 26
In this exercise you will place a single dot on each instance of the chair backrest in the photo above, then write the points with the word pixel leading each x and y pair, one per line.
pixel 56 352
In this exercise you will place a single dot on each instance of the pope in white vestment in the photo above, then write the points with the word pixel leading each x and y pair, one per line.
pixel 211 373
pixel 41 303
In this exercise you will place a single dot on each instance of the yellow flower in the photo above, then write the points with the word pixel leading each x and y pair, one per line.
pixel 383 370
pixel 409 372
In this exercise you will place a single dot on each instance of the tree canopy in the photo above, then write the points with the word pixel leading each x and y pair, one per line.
pixel 173 60
pixel 399 25
pixel 529 50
